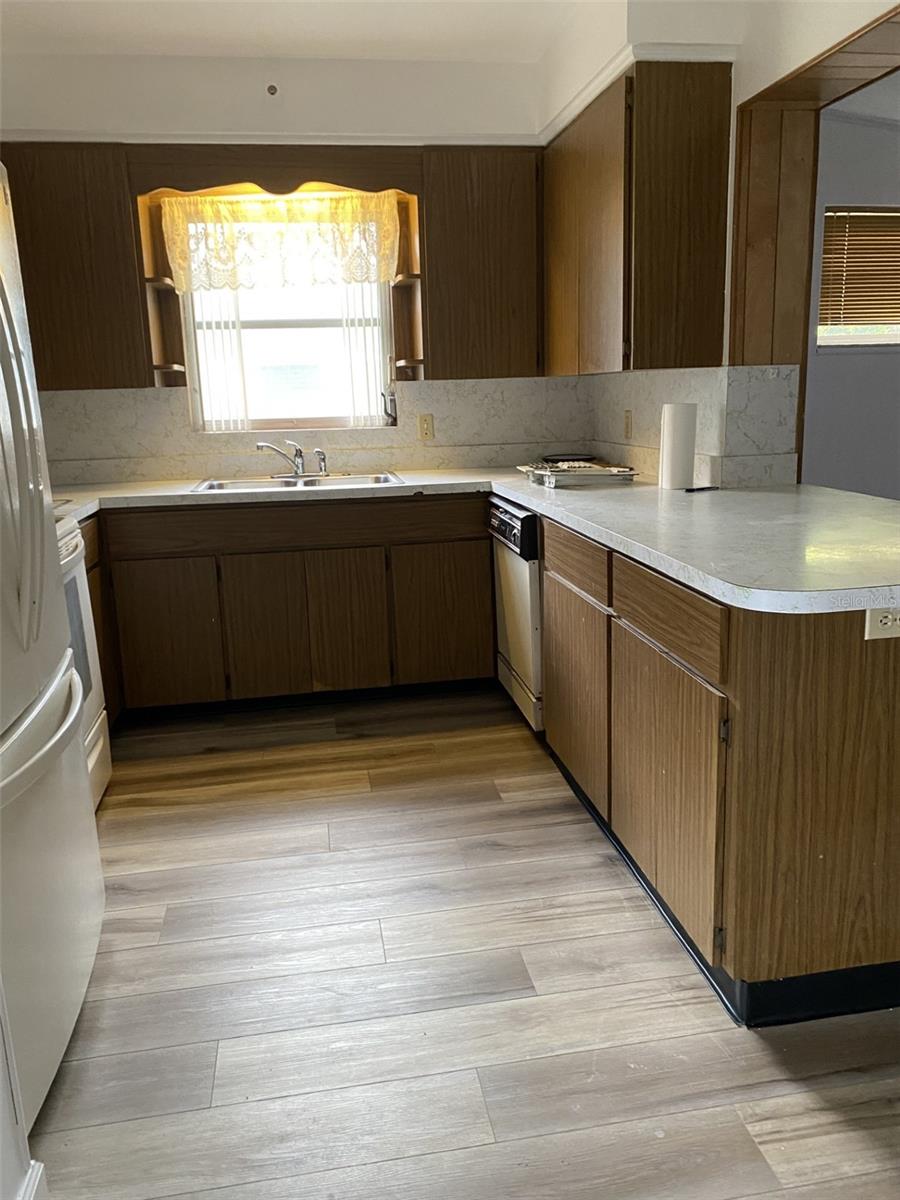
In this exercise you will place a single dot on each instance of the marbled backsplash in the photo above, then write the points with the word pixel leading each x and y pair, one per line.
pixel 745 428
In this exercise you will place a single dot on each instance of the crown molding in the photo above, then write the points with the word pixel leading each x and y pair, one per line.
pixel 620 63
pixel 165 137
pixel 599 82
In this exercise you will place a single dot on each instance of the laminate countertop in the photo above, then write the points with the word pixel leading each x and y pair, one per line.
pixel 781 549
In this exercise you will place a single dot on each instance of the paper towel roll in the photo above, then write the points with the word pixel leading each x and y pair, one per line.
pixel 676 445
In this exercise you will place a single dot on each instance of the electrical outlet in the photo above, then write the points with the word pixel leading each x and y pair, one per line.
pixel 426 427
pixel 628 425
pixel 882 623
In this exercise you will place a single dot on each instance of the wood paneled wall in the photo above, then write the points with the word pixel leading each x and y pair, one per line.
pixel 775 190
pixel 480 216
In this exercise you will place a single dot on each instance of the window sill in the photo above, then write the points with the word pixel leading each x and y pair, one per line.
pixel 312 424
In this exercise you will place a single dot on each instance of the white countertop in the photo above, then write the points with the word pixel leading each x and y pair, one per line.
pixel 786 549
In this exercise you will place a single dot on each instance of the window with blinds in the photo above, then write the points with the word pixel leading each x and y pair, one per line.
pixel 859 303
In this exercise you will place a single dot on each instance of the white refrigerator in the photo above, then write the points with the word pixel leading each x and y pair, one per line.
pixel 51 884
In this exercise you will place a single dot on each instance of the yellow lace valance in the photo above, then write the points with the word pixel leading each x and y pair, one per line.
pixel 320 234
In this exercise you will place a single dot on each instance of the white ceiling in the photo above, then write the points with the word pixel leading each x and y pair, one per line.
pixel 510 31
pixel 880 100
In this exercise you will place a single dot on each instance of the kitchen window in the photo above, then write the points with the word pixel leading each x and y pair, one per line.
pixel 286 304
pixel 297 357
pixel 859 300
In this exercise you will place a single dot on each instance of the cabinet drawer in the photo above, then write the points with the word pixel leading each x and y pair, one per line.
pixel 90 531
pixel 576 559
pixel 691 627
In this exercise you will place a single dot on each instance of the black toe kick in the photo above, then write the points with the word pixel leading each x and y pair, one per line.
pixel 807 997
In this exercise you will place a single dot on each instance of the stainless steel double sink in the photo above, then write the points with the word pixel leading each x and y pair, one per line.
pixel 297 481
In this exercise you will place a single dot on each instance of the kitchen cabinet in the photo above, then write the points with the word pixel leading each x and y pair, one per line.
pixel 635 219
pixel 266 624
pixel 576 686
pixel 75 227
pixel 585 202
pixel 170 632
pixel 349 632
pixel 731 759
pixel 481 238
pixel 691 627
pixel 667 778
pixel 442 598
pixel 561 178
pixel 93 318
pixel 230 602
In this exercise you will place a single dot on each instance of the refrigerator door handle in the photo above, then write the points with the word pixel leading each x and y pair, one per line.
pixel 11 367
pixel 36 766
pixel 37 494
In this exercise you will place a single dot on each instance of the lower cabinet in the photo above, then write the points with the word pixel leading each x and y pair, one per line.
pixel 443 611
pixel 280 600
pixel 266 624
pixel 170 632
pixel 667 779
pixel 576 688
pixel 349 632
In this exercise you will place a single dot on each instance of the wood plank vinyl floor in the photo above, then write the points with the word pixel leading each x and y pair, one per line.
pixel 375 950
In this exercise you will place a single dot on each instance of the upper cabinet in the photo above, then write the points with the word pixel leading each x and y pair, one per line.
pixel 629 203
pixel 585 214
pixel 635 193
pixel 75 227
pixel 465 305
pixel 480 220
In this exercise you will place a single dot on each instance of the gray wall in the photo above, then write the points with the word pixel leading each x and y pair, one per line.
pixel 851 436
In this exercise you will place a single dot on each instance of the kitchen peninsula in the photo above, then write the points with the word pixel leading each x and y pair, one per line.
pixel 691 642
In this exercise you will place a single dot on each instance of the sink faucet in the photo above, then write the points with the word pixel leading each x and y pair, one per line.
pixel 295 461
pixel 323 461
pixel 299 468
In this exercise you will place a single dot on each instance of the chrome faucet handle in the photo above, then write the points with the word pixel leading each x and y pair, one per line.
pixel 298 455
pixel 323 461
pixel 291 462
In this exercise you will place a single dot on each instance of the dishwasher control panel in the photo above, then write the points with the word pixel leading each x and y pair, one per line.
pixel 516 528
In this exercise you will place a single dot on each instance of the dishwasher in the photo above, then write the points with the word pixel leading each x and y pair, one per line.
pixel 517 586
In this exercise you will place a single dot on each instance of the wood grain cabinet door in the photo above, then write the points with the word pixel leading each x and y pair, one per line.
pixel 170 634
pixel 84 290
pixel 266 624
pixel 576 686
pixel 443 611
pixel 561 252
pixel 480 210
pixel 602 253
pixel 349 633
pixel 668 774
pixel 585 195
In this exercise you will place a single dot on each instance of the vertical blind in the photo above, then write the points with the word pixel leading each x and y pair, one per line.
pixel 860 267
